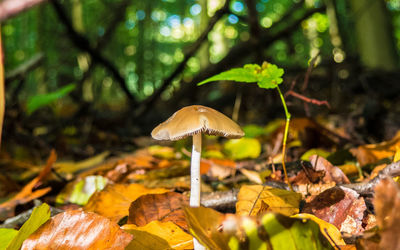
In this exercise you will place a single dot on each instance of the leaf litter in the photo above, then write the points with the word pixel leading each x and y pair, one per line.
pixel 140 200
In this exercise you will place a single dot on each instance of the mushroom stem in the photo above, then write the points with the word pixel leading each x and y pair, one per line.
pixel 195 171
pixel 195 180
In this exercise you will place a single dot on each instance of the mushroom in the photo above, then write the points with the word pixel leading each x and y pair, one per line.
pixel 193 121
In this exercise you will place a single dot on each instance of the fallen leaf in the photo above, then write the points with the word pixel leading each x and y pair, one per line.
pixel 205 224
pixel 253 176
pixel 372 153
pixel 174 235
pixel 250 199
pixel 270 231
pixel 79 191
pixel 27 194
pixel 387 206
pixel 72 167
pixel 38 217
pixel 163 207
pixel 78 230
pixel 331 233
pixel 114 200
pixel 341 207
pixel 6 236
pixel 162 152
pixel 238 149
pixel 332 173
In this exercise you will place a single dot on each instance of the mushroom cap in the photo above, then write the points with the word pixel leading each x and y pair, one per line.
pixel 196 119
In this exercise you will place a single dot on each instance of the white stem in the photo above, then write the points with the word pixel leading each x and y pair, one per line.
pixel 195 171
pixel 195 180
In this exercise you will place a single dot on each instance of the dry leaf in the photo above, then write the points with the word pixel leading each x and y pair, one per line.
pixel 114 200
pixel 372 153
pixel 387 206
pixel 332 173
pixel 163 207
pixel 78 230
pixel 341 207
pixel 174 235
pixel 27 194
pixel 251 198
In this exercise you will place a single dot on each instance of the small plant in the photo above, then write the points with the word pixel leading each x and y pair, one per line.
pixel 267 76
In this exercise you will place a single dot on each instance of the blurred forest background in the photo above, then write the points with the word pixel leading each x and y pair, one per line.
pixel 84 76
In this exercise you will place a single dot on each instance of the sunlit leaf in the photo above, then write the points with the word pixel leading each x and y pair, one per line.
pixel 114 200
pixel 331 233
pixel 168 231
pixel 253 198
pixel 38 217
pixel 271 231
pixel 6 236
pixel 314 151
pixel 243 148
pixel 236 74
pixel 80 191
pixel 42 100
pixel 162 152
pixel 164 207
pixel 78 230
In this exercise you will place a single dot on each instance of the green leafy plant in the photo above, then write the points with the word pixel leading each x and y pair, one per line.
pixel 267 76
pixel 42 100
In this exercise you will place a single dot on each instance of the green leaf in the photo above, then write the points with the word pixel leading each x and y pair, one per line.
pixel 236 74
pixel 42 100
pixel 6 236
pixel 243 148
pixel 79 192
pixel 289 233
pixel 270 77
pixel 253 130
pixel 271 231
pixel 38 217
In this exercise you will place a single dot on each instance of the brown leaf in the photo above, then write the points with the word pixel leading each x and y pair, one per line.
pixel 114 200
pixel 372 153
pixel 27 194
pixel 387 206
pixel 163 207
pixel 332 173
pixel 341 207
pixel 78 230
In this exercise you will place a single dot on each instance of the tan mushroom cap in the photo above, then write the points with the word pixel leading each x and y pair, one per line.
pixel 196 119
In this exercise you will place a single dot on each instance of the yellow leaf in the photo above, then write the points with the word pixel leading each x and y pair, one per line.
pixel 331 232
pixel 372 153
pixel 253 176
pixel 174 235
pixel 397 154
pixel 252 198
pixel 72 167
pixel 114 200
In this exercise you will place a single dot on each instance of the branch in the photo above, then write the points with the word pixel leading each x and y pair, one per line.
pixel 24 68
pixel 144 107
pixel 83 44
pixel 391 170
pixel 10 8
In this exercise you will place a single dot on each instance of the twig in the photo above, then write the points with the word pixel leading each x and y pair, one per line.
pixel 83 44
pixel 10 8
pixel 144 107
pixel 20 72
pixel 306 99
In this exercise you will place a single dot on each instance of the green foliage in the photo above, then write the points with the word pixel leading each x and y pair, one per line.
pixel 243 148
pixel 39 101
pixel 267 76
pixel 6 236
pixel 38 217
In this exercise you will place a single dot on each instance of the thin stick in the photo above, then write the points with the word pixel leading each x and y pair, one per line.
pixel 285 137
